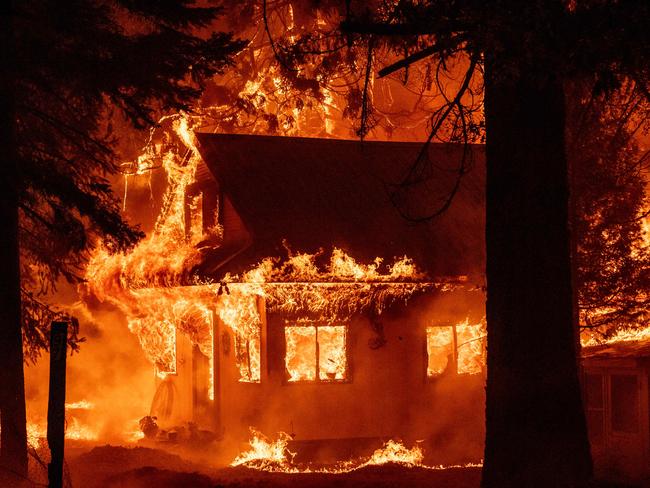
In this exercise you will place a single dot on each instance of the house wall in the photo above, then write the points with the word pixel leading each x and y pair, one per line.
pixel 387 393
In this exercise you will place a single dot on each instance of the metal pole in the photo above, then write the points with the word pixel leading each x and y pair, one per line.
pixel 56 403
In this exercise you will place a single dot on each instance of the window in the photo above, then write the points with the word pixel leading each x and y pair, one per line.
pixel 470 348
pixel 457 348
pixel 440 349
pixel 316 352
pixel 624 394
pixel 594 400
pixel 247 357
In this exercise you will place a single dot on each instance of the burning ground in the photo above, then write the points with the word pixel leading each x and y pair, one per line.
pixel 118 466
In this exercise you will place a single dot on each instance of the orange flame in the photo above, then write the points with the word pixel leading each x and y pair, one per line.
pixel 395 452
pixel 274 456
pixel 266 455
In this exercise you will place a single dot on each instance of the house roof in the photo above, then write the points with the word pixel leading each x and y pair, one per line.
pixel 324 193
pixel 618 350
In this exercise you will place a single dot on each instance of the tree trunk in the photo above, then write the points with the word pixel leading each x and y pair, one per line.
pixel 535 426
pixel 13 447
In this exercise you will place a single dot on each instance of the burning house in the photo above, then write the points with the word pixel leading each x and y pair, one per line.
pixel 313 307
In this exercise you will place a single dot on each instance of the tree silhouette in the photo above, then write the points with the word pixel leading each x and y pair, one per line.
pixel 609 201
pixel 70 72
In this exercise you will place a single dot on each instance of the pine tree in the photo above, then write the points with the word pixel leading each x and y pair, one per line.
pixel 70 72
pixel 609 200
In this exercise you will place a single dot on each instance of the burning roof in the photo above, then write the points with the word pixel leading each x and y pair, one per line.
pixel 315 192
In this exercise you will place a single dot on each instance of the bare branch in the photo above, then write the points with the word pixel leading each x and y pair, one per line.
pixel 437 48
pixel 365 104
pixel 414 175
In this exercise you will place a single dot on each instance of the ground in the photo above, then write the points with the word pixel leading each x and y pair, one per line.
pixel 141 467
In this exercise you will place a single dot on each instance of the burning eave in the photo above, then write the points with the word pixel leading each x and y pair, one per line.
pixel 164 311
pixel 331 299
pixel 341 300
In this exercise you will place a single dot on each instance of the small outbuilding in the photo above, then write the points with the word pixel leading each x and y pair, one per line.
pixel 617 401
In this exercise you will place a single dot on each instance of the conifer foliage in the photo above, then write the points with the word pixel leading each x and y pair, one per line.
pixel 70 71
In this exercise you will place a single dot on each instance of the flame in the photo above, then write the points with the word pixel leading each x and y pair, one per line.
pixel 395 452
pixel 630 334
pixel 133 432
pixel 75 430
pixel 80 405
pixel 36 434
pixel 301 353
pixel 440 349
pixel 471 347
pixel 274 456
pixel 163 257
pixel 266 455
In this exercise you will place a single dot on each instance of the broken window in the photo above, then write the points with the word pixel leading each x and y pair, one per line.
pixel 624 393
pixel 247 356
pixel 456 348
pixel 316 352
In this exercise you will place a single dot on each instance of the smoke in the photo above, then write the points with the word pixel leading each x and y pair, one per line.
pixel 109 382
pixel 110 372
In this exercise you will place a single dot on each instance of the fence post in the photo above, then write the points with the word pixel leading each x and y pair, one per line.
pixel 56 403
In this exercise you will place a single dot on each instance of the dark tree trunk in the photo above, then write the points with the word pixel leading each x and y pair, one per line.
pixel 13 448
pixel 535 427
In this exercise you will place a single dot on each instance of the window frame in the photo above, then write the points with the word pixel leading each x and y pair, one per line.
pixel 610 416
pixel 455 347
pixel 603 409
pixel 454 354
pixel 317 380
